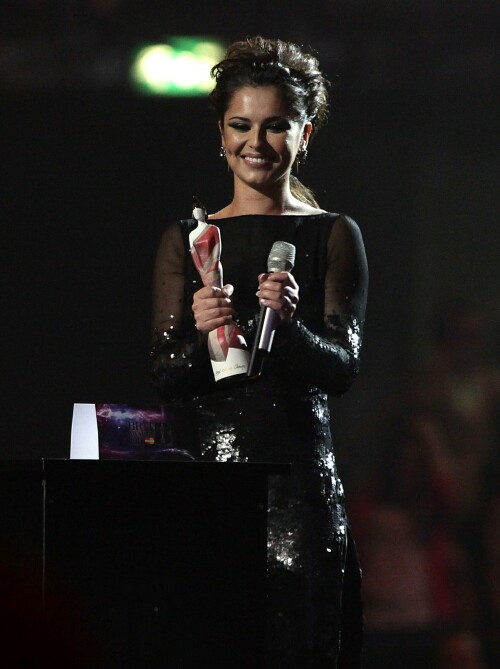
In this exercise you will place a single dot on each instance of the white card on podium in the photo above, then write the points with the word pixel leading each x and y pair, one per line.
pixel 84 435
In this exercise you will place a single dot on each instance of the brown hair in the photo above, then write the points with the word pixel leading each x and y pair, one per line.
pixel 258 61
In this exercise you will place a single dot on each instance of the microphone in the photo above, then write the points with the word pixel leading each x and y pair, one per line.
pixel 281 259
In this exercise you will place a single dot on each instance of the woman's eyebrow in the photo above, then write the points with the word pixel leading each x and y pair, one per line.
pixel 270 118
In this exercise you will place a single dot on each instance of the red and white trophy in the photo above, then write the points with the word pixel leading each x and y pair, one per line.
pixel 227 347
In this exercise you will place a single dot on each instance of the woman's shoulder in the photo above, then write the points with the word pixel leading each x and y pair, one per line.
pixel 179 227
pixel 305 209
pixel 175 233
pixel 346 226
pixel 337 223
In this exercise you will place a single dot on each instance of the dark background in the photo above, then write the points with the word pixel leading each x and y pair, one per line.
pixel 92 172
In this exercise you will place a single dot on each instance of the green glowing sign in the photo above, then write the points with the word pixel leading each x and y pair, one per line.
pixel 180 66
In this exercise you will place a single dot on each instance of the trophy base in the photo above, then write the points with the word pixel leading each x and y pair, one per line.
pixel 236 364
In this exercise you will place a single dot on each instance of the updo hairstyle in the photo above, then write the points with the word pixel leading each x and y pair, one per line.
pixel 267 62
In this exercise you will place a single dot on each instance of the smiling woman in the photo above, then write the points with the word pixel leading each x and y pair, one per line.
pixel 256 71
pixel 261 140
pixel 270 98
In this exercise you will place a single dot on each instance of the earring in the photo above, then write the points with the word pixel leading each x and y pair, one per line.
pixel 222 152
pixel 302 154
pixel 301 157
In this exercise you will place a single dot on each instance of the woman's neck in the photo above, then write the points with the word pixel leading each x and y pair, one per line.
pixel 251 201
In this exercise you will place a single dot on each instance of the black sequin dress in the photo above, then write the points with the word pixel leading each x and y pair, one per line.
pixel 281 417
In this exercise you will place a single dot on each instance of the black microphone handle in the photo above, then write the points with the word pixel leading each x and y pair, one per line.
pixel 263 341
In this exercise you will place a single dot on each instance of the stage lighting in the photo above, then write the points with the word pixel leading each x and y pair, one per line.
pixel 180 66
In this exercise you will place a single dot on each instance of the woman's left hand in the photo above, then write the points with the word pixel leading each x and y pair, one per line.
pixel 279 291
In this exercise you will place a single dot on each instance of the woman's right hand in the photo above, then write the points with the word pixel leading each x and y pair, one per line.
pixel 212 307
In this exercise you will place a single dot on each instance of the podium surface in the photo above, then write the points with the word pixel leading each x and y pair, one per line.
pixel 157 564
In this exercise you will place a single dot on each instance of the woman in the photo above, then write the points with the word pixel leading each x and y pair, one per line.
pixel 270 98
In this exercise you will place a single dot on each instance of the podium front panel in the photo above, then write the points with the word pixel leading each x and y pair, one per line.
pixel 159 564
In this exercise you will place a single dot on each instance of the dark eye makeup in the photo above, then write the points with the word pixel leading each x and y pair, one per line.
pixel 280 125
pixel 238 125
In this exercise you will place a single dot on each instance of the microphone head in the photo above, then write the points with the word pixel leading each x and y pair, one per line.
pixel 281 258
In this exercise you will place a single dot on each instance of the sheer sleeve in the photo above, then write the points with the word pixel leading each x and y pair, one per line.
pixel 180 366
pixel 329 360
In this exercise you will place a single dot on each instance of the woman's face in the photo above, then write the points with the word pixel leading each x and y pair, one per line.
pixel 260 136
